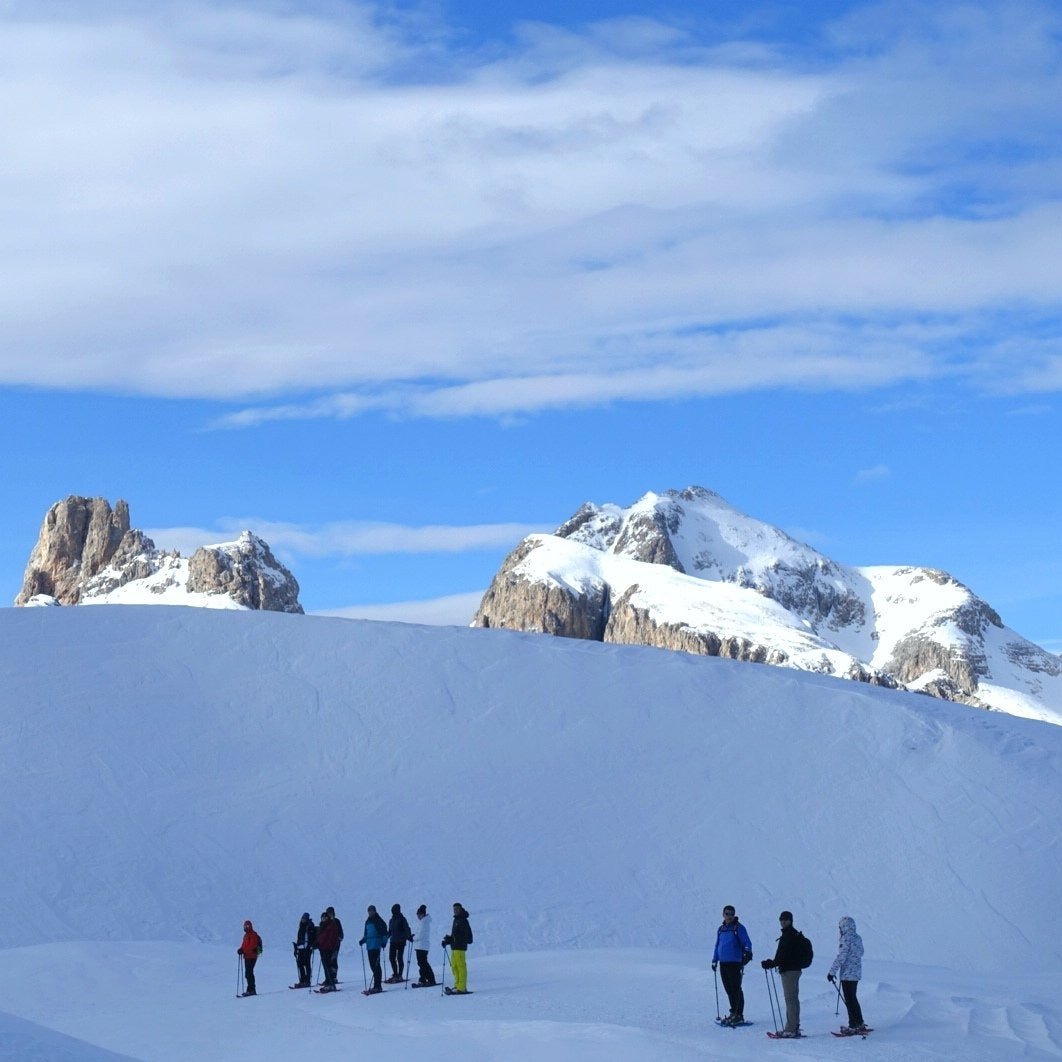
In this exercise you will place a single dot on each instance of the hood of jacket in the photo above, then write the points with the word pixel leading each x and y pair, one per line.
pixel 846 925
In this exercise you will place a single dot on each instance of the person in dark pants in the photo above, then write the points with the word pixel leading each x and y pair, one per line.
pixel 788 960
pixel 422 945
pixel 339 944
pixel 304 943
pixel 374 939
pixel 250 949
pixel 400 935
pixel 733 952
pixel 849 967
pixel 328 946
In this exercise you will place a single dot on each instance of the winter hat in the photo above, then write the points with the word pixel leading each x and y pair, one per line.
pixel 786 916
pixel 396 908
pixel 305 916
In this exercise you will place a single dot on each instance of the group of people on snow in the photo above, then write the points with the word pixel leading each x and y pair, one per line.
pixel 793 955
pixel 396 935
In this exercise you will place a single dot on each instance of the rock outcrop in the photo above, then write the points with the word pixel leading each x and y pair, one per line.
pixel 87 553
pixel 686 571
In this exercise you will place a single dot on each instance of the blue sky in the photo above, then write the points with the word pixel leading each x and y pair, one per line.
pixel 395 284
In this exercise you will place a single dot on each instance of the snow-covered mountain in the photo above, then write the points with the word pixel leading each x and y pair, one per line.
pixel 685 570
pixel 169 772
pixel 87 554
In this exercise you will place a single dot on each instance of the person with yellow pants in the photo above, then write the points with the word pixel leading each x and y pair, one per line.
pixel 458 940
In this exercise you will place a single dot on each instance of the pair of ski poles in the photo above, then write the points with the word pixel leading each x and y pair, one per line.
pixel 239 973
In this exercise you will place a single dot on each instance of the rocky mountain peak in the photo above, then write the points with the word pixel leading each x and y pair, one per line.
pixel 87 553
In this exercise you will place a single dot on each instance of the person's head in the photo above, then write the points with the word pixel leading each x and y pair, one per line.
pixel 785 919
pixel 459 910
pixel 331 912
pixel 372 909
pixel 421 911
pixel 396 908
pixel 729 914
pixel 305 916
pixel 247 925
pixel 847 925
pixel 325 916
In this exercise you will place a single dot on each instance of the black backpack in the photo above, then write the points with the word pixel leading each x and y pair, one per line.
pixel 805 953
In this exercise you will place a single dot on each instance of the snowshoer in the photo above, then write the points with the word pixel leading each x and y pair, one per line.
pixel 250 949
pixel 458 940
pixel 789 961
pixel 849 967
pixel 328 946
pixel 422 944
pixel 400 935
pixel 733 952
pixel 374 939
pixel 303 944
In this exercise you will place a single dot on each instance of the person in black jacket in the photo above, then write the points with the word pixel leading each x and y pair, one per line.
pixel 458 940
pixel 788 960
pixel 399 935
pixel 304 943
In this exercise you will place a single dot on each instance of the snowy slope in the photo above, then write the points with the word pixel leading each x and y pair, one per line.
pixel 701 571
pixel 169 772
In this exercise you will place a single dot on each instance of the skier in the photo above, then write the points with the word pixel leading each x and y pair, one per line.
pixel 458 940
pixel 423 943
pixel 789 961
pixel 303 944
pixel 733 952
pixel 328 946
pixel 849 967
pixel 400 934
pixel 250 949
pixel 339 927
pixel 374 939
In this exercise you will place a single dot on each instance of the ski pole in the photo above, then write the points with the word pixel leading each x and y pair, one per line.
pixel 446 962
pixel 409 963
pixel 770 998
pixel 837 1009
pixel 715 975
pixel 239 970
pixel 364 975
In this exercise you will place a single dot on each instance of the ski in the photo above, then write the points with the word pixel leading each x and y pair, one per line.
pixel 860 1033
pixel 372 991
pixel 724 1024
pixel 325 991
pixel 417 984
pixel 779 1036
pixel 454 992
pixel 301 985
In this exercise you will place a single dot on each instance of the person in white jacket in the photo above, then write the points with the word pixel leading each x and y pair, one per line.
pixel 422 944
pixel 849 966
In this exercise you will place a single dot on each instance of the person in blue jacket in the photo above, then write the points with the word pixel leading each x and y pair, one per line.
pixel 375 940
pixel 733 952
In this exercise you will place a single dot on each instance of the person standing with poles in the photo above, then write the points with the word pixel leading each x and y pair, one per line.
pixel 303 944
pixel 327 947
pixel 399 934
pixel 374 939
pixel 793 955
pixel 849 967
pixel 458 940
pixel 249 950
pixel 733 952
pixel 422 940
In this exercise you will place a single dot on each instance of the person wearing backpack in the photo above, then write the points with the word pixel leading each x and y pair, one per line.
pixel 400 935
pixel 733 951
pixel 792 957
pixel 849 967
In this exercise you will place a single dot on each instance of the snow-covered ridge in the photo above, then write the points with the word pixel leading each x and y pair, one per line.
pixel 686 570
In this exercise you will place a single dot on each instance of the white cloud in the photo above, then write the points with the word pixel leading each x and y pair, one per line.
pixel 873 474
pixel 348 538
pixel 250 201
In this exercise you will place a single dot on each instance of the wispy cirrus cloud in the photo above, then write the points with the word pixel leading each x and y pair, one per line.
pixel 253 202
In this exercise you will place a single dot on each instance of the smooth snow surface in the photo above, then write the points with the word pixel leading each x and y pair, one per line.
pixel 169 772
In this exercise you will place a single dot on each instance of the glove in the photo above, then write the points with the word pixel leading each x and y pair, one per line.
pixel 746 958
pixel 714 965
pixel 767 964
pixel 294 948
pixel 362 941
pixel 447 941
pixel 829 977
pixel 239 951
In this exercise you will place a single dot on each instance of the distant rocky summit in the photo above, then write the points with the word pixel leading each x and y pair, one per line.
pixel 87 554
pixel 684 570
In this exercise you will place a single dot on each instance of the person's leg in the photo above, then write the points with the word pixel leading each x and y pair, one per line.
pixel 460 968
pixel 791 989
pixel 248 972
pixel 730 974
pixel 851 1001
pixel 377 970
pixel 302 962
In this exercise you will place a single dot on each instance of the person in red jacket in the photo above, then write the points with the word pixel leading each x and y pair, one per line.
pixel 250 949
pixel 328 938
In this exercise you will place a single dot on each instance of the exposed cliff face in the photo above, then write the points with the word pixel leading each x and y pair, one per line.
pixel 86 554
pixel 78 538
pixel 686 571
